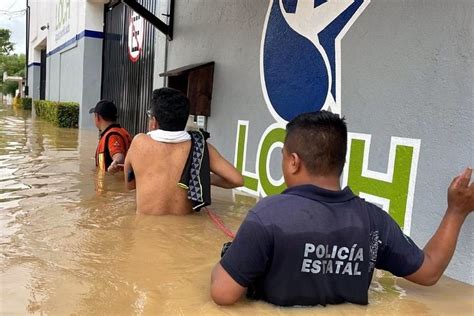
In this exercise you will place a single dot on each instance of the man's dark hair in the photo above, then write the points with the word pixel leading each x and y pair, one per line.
pixel 320 140
pixel 170 107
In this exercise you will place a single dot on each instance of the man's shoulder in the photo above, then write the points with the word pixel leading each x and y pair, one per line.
pixel 378 216
pixel 126 133
pixel 270 205
pixel 139 142
pixel 142 139
pixel 373 209
pixel 145 144
pixel 141 136
pixel 273 200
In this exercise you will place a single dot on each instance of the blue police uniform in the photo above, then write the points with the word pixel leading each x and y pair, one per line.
pixel 310 246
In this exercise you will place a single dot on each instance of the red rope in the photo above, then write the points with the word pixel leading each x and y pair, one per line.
pixel 218 222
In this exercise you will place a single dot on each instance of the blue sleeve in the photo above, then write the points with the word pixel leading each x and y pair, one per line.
pixel 249 254
pixel 399 254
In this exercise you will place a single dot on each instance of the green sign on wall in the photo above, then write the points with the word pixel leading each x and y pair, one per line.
pixel 392 190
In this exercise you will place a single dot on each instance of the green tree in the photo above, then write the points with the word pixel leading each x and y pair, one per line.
pixel 6 46
pixel 13 64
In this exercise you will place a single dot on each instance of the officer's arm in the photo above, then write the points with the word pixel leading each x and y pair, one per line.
pixel 243 263
pixel 440 249
pixel 224 289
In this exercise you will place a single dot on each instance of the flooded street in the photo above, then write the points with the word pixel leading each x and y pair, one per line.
pixel 71 243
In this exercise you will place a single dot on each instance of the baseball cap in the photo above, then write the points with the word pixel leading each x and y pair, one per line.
pixel 106 109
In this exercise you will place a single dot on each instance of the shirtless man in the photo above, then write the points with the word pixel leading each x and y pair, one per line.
pixel 154 165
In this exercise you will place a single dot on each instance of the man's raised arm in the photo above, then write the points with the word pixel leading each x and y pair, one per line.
pixel 440 249
pixel 224 174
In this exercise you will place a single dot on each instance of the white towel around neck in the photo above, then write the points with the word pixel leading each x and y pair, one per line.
pixel 169 137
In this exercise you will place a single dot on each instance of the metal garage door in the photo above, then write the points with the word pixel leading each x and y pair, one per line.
pixel 127 82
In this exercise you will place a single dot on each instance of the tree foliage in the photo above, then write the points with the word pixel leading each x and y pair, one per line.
pixel 13 64
pixel 6 47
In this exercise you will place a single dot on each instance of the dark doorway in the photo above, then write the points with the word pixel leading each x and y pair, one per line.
pixel 129 84
pixel 43 75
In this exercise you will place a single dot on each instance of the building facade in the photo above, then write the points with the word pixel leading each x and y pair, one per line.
pixel 65 52
pixel 400 72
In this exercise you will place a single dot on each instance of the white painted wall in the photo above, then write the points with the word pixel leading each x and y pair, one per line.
pixel 83 15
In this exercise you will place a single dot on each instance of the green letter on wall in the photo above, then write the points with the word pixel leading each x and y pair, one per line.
pixel 397 185
pixel 250 182
pixel 273 137
pixel 260 183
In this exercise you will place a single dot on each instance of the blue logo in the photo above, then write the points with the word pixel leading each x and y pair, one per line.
pixel 300 54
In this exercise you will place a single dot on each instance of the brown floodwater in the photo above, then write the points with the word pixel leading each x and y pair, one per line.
pixel 71 243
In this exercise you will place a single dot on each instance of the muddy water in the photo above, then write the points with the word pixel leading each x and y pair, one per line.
pixel 71 243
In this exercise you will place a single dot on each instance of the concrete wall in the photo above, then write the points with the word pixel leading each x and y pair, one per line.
pixel 411 76
pixel 401 73
pixel 34 81
pixel 75 75
pixel 235 47
pixel 92 74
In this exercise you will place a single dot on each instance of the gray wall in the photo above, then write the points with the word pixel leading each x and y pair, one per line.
pixel 64 74
pixel 235 47
pixel 411 76
pixel 74 74
pixel 34 81
pixel 407 71
pixel 92 74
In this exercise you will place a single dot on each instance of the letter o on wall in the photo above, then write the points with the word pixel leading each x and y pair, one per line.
pixel 271 139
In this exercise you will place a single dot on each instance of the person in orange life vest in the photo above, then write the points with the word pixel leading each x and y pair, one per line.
pixel 114 140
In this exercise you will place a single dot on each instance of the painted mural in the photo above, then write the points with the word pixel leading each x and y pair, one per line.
pixel 300 71
pixel 299 59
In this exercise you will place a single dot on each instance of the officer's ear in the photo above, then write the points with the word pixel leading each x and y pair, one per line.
pixel 294 163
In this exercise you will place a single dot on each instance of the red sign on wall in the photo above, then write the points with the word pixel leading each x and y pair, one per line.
pixel 135 36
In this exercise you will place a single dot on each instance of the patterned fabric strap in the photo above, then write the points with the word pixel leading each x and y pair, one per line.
pixel 195 187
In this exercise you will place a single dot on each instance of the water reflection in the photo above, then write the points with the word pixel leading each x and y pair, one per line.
pixel 72 244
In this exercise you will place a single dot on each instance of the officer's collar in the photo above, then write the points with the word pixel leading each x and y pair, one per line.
pixel 319 194
pixel 109 127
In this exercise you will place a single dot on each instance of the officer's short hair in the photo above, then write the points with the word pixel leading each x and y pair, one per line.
pixel 320 140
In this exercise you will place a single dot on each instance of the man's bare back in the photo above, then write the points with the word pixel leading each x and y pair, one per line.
pixel 158 166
